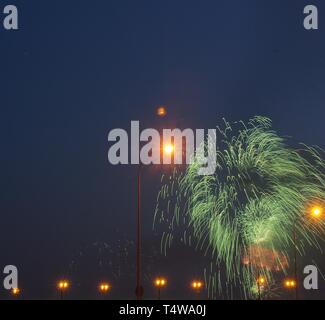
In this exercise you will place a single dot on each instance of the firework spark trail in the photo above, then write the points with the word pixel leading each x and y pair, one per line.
pixel 259 194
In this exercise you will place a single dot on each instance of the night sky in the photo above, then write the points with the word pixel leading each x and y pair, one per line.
pixel 77 69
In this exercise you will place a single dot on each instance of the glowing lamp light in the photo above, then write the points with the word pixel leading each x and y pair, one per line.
pixel 197 285
pixel 290 284
pixel 15 291
pixel 160 282
pixel 316 211
pixel 161 111
pixel 168 148
pixel 261 280
pixel 63 285
pixel 104 287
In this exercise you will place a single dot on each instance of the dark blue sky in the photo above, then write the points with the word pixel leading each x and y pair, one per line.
pixel 77 69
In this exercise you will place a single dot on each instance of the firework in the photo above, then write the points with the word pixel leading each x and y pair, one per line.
pixel 254 208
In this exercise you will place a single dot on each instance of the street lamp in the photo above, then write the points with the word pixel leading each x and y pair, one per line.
pixel 197 286
pixel 15 292
pixel 260 285
pixel 160 283
pixel 167 149
pixel 161 111
pixel 139 288
pixel 290 283
pixel 104 288
pixel 316 212
pixel 63 285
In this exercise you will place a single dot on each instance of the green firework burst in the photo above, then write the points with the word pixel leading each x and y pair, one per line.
pixel 251 213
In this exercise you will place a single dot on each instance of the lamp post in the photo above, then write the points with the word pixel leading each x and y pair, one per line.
pixel 104 288
pixel 139 288
pixel 167 149
pixel 197 286
pixel 260 285
pixel 15 292
pixel 290 284
pixel 160 283
pixel 315 213
pixel 63 286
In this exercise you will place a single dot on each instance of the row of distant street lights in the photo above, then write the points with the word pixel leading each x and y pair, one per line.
pixel 160 283
pixel 104 287
pixel 64 285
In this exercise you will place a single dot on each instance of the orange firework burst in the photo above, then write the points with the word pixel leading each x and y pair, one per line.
pixel 265 258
